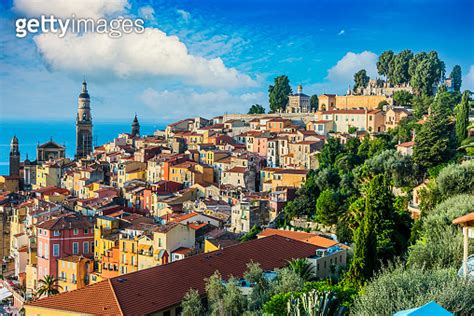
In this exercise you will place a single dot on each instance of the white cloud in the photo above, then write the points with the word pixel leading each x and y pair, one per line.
pixel 341 32
pixel 180 104
pixel 65 8
pixel 468 79
pixel 152 53
pixel 185 15
pixel 147 12
pixel 351 63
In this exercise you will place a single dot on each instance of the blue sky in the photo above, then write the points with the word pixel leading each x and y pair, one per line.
pixel 208 57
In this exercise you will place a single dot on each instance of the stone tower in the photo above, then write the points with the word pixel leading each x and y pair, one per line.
pixel 135 127
pixel 14 158
pixel 83 124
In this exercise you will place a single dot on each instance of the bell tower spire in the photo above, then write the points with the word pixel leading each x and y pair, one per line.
pixel 83 124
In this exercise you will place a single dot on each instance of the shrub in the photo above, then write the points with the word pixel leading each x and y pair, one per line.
pixel 398 288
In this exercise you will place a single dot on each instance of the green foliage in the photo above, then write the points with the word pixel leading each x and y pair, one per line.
pixel 395 166
pixel 427 71
pixel 400 288
pixel 48 286
pixel 328 207
pixel 261 287
pixel 435 140
pixel 382 104
pixel 303 268
pixel 278 93
pixel 361 79
pixel 314 102
pixel 277 305
pixel 329 153
pixel 462 117
pixel 399 67
pixel 251 234
pixel 384 63
pixel 256 109
pixel 305 200
pixel 314 303
pixel 192 304
pixel 288 280
pixel 440 243
pixel 456 76
pixel 421 105
pixel 404 131
pixel 402 98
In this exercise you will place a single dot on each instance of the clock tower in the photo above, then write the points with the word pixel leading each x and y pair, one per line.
pixel 83 124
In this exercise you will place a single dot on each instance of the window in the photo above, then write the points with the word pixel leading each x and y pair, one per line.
pixel 75 248
pixel 370 118
pixel 96 243
pixel 86 231
pixel 56 250
pixel 56 233
pixel 85 246
pixel 76 231
pixel 46 251
pixel 40 249
pixel 159 242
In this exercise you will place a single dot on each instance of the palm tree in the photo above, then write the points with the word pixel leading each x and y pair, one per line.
pixel 48 286
pixel 303 268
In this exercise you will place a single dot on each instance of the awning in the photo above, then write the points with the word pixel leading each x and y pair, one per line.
pixel 4 293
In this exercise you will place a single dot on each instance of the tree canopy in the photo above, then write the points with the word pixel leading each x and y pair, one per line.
pixel 278 93
pixel 256 109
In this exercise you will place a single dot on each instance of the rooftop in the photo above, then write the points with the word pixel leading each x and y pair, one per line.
pixel 161 287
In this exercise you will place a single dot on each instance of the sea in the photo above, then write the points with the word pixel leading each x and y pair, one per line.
pixel 32 132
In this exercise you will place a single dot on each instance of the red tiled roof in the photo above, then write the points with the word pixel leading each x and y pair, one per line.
pixel 407 144
pixel 161 287
pixel 237 170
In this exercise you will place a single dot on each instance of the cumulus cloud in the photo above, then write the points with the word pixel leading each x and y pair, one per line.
pixel 468 79
pixel 185 15
pixel 152 53
pixel 179 103
pixel 351 63
pixel 65 8
pixel 341 32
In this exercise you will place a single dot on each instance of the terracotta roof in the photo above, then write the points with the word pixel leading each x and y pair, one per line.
pixel 182 250
pixel 313 239
pixel 407 144
pixel 166 227
pixel 237 170
pixel 466 220
pixel 74 258
pixel 161 287
pixel 99 299
pixel 65 222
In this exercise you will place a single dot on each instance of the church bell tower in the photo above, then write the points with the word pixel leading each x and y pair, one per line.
pixel 83 124
pixel 14 158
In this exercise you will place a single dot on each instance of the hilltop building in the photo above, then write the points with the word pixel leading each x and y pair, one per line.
pixel 298 102
pixel 83 124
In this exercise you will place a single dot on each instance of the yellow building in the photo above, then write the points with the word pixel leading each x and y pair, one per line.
pixel 74 272
pixel 104 228
pixel 48 174
pixel 128 259
pixel 170 237
pixel 145 252
pixel 288 178
pixel 332 101
pixel 131 170
pixel 190 172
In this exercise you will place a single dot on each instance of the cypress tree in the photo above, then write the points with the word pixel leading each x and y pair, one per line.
pixel 462 117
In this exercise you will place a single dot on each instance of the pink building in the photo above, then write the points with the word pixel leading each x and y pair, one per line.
pixel 261 145
pixel 69 234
